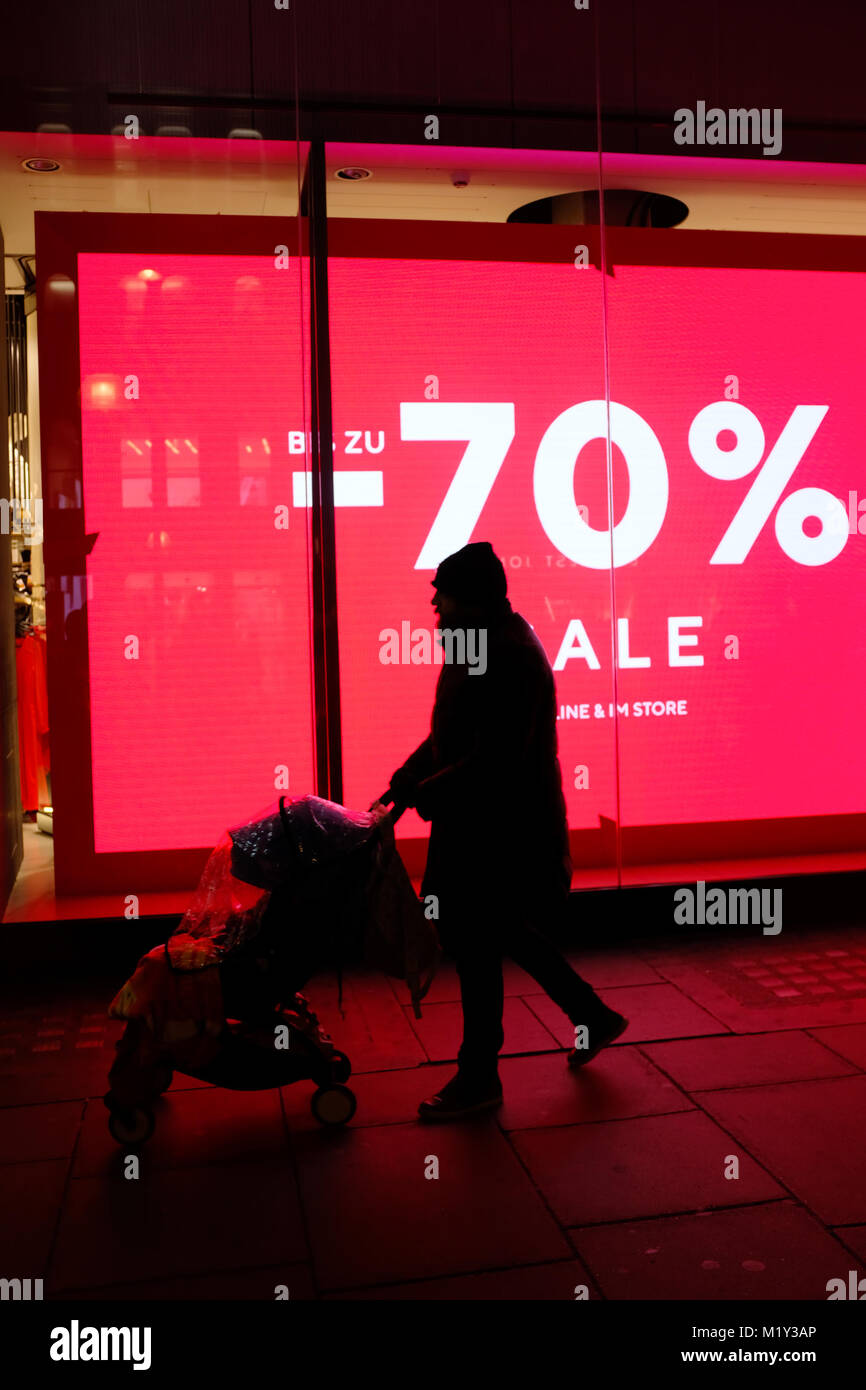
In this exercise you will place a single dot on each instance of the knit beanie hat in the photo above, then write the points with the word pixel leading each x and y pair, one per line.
pixel 473 576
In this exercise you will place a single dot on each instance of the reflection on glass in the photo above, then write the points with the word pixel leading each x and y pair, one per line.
pixel 197 616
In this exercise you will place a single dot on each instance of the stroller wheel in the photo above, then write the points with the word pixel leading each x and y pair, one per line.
pixel 131 1127
pixel 333 1105
pixel 341 1067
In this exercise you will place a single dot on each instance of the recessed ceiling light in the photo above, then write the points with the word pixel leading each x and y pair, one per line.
pixel 40 166
pixel 353 172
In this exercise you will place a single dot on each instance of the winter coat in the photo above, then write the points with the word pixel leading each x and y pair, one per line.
pixel 487 777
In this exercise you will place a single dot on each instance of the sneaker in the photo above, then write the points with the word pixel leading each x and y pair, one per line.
pixel 610 1026
pixel 458 1099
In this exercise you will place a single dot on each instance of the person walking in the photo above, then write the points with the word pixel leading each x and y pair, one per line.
pixel 488 780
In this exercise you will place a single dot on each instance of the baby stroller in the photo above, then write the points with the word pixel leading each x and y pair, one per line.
pixel 304 886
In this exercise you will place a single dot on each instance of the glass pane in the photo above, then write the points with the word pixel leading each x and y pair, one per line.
pixel 736 411
pixel 197 615
pixel 465 335
pixel 174 344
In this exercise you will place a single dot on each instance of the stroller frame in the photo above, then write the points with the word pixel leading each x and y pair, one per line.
pixel 258 1005
pixel 247 1060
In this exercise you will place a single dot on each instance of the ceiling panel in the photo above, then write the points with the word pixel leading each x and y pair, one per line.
pixel 102 174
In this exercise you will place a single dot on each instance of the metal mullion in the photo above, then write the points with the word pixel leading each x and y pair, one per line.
pixel 326 641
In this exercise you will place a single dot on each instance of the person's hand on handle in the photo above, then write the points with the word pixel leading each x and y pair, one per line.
pixel 392 811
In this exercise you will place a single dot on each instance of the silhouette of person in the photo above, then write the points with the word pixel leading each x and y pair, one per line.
pixel 487 778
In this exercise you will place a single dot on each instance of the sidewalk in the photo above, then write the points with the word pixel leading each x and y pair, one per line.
pixel 613 1178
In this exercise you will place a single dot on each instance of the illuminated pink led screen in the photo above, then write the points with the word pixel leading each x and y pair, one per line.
pixel 738 412
pixel 198 610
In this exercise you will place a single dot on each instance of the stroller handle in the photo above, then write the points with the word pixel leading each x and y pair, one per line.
pixel 397 809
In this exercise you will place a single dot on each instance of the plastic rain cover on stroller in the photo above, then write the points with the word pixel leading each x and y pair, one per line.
pixel 299 851
pixel 320 850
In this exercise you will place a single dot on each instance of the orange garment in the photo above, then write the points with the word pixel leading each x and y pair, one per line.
pixel 179 997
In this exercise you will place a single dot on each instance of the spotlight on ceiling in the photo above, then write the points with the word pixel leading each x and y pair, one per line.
pixel 40 166
pixel 352 173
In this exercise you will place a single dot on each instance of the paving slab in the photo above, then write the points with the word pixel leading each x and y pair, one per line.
pixel 646 1166
pixel 774 984
pixel 177 1221
pixel 854 1237
pixel 445 988
pixel 30 1200
pixel 56 1068
pixel 32 1132
pixel 374 1217
pixel 775 1250
pixel 618 1084
pixel 653 1012
pixel 373 1029
pixel 224 1285
pixel 610 969
pixel 848 1041
pixel 810 1134
pixel 440 1031
pixel 547 1282
pixel 756 1059
pixel 603 969
pixel 193 1128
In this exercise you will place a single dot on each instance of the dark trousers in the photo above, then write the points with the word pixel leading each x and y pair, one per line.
pixel 477 937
